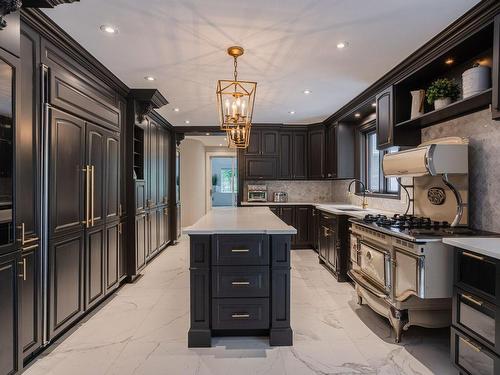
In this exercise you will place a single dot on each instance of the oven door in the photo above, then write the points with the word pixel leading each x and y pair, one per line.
pixel 375 265
pixel 408 274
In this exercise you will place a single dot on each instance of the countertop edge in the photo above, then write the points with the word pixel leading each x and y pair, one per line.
pixel 476 248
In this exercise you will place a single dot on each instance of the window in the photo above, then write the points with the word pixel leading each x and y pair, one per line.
pixel 374 177
pixel 228 182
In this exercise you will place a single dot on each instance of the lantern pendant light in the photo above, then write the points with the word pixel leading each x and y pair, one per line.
pixel 235 102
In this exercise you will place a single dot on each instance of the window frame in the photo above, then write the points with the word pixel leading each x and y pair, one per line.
pixel 362 164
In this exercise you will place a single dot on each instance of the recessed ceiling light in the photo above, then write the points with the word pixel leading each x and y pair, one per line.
pixel 149 78
pixel 292 112
pixel 449 61
pixel 307 92
pixel 187 121
pixel 341 45
pixel 207 133
pixel 357 114
pixel 374 104
pixel 109 29
pixel 176 109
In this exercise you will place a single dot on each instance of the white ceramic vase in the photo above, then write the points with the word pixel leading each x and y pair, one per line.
pixel 441 103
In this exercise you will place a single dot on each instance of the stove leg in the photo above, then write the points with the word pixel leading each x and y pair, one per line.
pixel 398 319
pixel 360 300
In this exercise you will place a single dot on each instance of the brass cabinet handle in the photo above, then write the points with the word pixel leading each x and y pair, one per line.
pixel 120 209
pixel 86 170
pixel 240 250
pixel 476 348
pixel 240 316
pixel 23 274
pixel 472 300
pixel 92 169
pixel 30 247
pixel 120 228
pixel 238 283
pixel 23 239
pixel 473 256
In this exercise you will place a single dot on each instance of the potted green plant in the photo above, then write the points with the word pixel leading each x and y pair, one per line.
pixel 442 92
pixel 214 180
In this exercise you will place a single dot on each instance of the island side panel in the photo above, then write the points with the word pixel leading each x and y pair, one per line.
pixel 200 333
pixel 281 333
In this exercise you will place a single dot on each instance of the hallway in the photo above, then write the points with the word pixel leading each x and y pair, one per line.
pixel 142 330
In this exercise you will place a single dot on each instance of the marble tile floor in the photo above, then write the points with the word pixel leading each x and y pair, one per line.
pixel 142 329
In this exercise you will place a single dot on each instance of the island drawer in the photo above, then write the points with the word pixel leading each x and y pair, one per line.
pixel 240 313
pixel 240 250
pixel 250 281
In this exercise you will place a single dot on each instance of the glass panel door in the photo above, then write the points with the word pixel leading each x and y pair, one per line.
pixel 224 181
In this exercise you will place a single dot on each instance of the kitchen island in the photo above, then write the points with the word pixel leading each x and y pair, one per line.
pixel 240 276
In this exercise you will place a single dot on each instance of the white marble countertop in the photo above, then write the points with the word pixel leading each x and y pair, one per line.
pixel 236 220
pixel 489 246
pixel 334 208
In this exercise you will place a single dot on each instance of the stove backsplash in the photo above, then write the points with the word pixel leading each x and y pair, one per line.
pixel 484 167
pixel 298 191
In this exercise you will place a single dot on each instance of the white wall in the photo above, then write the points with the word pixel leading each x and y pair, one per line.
pixel 192 181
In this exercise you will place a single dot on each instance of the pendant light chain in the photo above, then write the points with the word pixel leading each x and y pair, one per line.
pixel 235 69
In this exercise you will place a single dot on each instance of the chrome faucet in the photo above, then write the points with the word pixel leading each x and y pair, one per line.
pixel 364 204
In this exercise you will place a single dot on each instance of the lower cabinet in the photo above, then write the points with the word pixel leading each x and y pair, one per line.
pixel 300 217
pixel 95 266
pixel 122 250
pixel 31 300
pixel 66 282
pixel 10 348
pixel 152 229
pixel 141 242
pixel 112 255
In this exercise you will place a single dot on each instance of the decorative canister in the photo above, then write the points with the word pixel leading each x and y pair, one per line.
pixel 476 80
pixel 417 103
pixel 441 103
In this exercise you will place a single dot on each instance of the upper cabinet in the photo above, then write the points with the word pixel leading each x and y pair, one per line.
pixel 340 151
pixel 293 157
pixel 263 142
pixel 10 33
pixel 316 154
pixel 385 121
pixel 495 104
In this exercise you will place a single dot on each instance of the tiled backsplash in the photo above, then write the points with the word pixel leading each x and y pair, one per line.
pixel 298 191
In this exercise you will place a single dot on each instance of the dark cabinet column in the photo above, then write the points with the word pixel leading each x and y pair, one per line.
pixel 302 219
pixel 495 104
pixel 95 266
pixel 299 159
pixel 141 239
pixel 285 167
pixel 331 152
pixel 316 150
pixel 385 119
pixel 122 249
pixel 10 348
pixel 112 178
pixel 112 255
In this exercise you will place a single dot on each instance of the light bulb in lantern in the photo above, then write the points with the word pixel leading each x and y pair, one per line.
pixel 227 107
pixel 234 109
pixel 243 108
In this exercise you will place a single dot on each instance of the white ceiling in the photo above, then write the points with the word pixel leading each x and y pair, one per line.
pixel 289 46
pixel 211 140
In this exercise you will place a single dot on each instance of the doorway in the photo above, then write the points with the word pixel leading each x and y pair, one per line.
pixel 222 180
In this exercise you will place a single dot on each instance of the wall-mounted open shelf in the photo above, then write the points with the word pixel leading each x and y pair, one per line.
pixel 138 153
pixel 459 108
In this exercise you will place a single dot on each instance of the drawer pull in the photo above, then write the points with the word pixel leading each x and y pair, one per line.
pixel 476 348
pixel 240 316
pixel 240 283
pixel 240 250
pixel 472 300
pixel 473 256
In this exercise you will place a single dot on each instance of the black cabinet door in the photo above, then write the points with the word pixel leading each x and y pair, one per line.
pixel 140 196
pixel 331 152
pixel 323 242
pixel 141 241
pixel 314 224
pixel 285 168
pixel 302 219
pixel 162 166
pixel 331 258
pixel 163 230
pixel 384 119
pixel 9 35
pixel 269 143
pixel 299 160
pixel 152 230
pixel 288 215
pixel 261 168
pixel 112 177
pixel 152 181
pixel 31 300
pixel 122 248
pixel 112 255
pixel 254 145
pixel 10 358
pixel 95 266
pixel 66 282
pixel 495 104
pixel 316 150
pixel 27 135
pixel 95 158
pixel 344 155
pixel 67 175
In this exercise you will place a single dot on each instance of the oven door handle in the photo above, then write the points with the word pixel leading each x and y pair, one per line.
pixel 358 278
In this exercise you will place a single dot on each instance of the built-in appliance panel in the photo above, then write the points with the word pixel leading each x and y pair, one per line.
pixel 477 318
pixel 477 274
pixel 373 263
pixel 251 281
pixel 472 358
pixel 408 275
pixel 237 250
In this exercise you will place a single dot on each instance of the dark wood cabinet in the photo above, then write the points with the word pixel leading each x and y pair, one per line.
pixel 66 282
pixel 122 250
pixel 264 142
pixel 316 152
pixel 141 243
pixel 152 230
pixel 67 175
pixel 254 145
pixel 495 104
pixel 340 151
pixel 299 155
pixel 95 156
pixel 163 227
pixel 10 352
pixel 385 118
pixel 302 224
pixel 152 182
pixel 31 300
pixel 314 224
pixel 9 35
pixel 95 255
pixel 113 256
pixel 285 167
pixel 334 244
pixel 112 177
pixel 261 168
